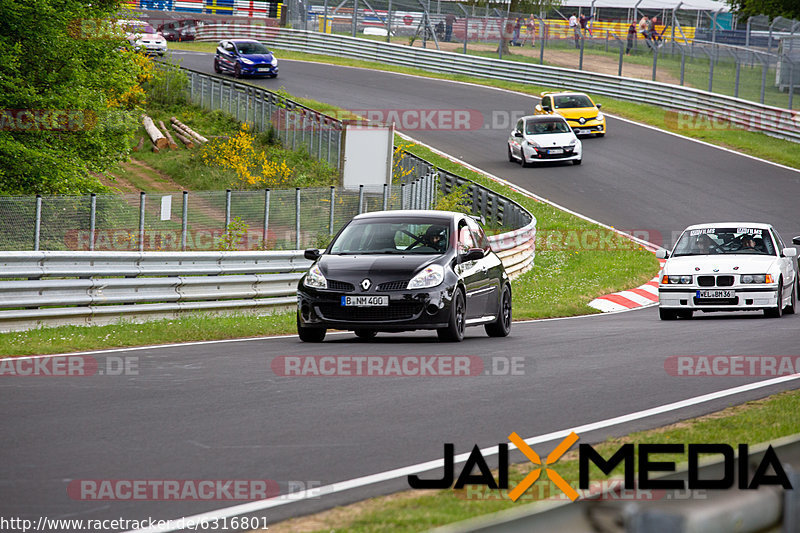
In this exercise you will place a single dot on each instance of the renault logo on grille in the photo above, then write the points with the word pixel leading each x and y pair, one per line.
pixel 582 120
pixel 365 284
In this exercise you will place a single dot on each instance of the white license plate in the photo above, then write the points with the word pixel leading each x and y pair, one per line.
pixel 263 69
pixel 716 294
pixel 556 151
pixel 365 301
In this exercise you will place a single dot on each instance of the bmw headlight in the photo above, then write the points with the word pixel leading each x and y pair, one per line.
pixel 756 278
pixel 315 279
pixel 246 61
pixel 430 276
pixel 600 116
pixel 274 62
pixel 676 280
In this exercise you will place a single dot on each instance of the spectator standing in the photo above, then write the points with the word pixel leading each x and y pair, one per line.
pixel 448 26
pixel 576 29
pixel 583 22
pixel 631 37
pixel 530 30
pixel 517 29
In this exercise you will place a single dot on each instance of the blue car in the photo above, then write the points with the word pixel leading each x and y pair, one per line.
pixel 245 57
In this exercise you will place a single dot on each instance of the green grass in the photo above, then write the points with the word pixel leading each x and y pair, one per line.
pixel 748 142
pixel 411 511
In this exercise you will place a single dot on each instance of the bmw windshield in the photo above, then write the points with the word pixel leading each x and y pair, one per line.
pixel 392 237
pixel 706 241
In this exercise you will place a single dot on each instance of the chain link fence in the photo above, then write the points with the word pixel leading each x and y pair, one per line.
pixel 752 59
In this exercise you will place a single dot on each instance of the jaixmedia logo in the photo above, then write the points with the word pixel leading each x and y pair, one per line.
pixel 768 472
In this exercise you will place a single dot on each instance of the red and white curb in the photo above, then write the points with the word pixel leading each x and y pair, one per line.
pixel 642 296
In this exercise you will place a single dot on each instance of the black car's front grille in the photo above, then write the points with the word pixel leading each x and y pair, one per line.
pixel 394 311
pixel 335 285
pixel 393 286
pixel 710 281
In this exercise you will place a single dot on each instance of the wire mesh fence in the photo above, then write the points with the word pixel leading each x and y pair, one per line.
pixel 752 59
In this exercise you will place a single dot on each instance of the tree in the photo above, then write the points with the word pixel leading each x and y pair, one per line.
pixel 772 8
pixel 67 92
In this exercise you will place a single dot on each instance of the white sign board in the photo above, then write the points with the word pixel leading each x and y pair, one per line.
pixel 368 153
pixel 166 207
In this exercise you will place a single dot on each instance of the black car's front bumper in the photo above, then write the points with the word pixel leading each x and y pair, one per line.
pixel 407 309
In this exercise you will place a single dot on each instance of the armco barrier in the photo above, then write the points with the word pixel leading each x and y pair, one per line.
pixel 774 121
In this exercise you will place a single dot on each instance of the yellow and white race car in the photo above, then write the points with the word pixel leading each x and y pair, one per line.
pixel 582 114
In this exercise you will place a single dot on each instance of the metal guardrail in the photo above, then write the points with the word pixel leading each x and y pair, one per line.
pixel 92 288
pixel 769 508
pixel 754 116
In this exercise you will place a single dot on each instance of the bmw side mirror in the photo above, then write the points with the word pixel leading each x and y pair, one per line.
pixel 312 254
pixel 789 252
pixel 662 253
pixel 473 254
pixel 796 240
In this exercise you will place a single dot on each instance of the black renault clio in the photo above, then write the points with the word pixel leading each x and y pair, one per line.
pixel 402 271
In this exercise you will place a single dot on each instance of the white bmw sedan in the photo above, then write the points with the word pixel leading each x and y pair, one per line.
pixel 539 138
pixel 733 266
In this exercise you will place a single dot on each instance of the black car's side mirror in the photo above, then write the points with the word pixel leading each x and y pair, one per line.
pixel 796 240
pixel 473 254
pixel 312 254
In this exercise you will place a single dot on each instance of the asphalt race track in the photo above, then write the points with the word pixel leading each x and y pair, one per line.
pixel 219 411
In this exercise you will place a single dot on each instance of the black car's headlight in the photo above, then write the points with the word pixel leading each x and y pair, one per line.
pixel 675 280
pixel 428 277
pixel 315 279
pixel 757 278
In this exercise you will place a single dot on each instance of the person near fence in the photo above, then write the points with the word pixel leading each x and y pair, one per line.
pixel 631 37
pixel 644 22
pixel 449 20
pixel 530 27
pixel 576 29
pixel 517 29
pixel 583 21
pixel 654 35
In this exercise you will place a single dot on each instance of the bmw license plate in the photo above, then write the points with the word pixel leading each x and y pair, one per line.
pixel 365 301
pixel 716 294
pixel 556 151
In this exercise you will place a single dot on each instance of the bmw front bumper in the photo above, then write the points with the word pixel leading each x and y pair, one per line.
pixel 743 299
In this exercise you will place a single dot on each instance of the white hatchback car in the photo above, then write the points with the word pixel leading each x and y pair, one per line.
pixel 539 138
pixel 143 36
pixel 732 266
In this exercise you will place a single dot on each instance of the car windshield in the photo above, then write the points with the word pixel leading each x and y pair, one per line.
pixel 252 48
pixel 572 100
pixel 139 27
pixel 711 241
pixel 536 127
pixel 392 237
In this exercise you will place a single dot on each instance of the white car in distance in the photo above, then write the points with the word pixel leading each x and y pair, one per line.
pixel 541 138
pixel 730 266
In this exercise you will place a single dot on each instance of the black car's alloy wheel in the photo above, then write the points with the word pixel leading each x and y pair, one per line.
pixel 454 331
pixel 501 327
pixel 310 334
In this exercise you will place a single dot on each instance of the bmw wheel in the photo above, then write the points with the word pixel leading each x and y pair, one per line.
pixel 777 311
pixel 667 314
pixel 792 307
pixel 310 334
pixel 366 333
pixel 502 326
pixel 454 331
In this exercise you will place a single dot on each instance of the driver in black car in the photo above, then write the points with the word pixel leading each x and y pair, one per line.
pixel 434 237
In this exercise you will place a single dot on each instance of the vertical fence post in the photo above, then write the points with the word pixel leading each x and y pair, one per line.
pixel 736 83
pixel 92 219
pixel 621 56
pixel 402 196
pixel 37 229
pixel 360 199
pixel 413 194
pixel 389 23
pixel 710 73
pixel 655 62
pixel 297 217
pixel 683 63
pixel 580 61
pixel 184 220
pixel 763 81
pixel 142 198
pixel 227 208
pixel 266 218
pixel 791 81
pixel 330 220
pixel 385 196
pixel 202 90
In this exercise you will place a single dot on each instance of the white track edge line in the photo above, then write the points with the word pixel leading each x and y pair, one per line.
pixel 396 473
